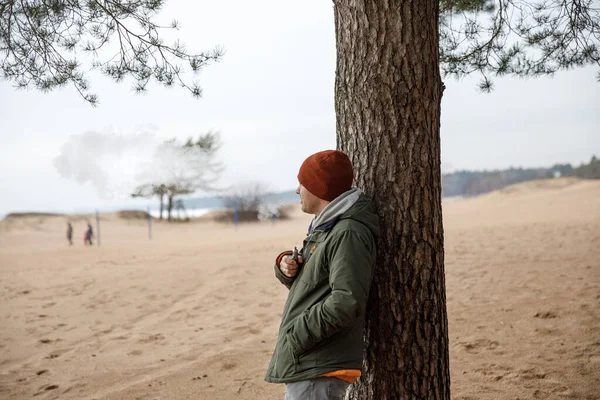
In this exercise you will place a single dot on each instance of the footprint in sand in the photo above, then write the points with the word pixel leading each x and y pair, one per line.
pixel 545 315
pixel 265 318
pixel 228 366
pixel 479 344
pixel 56 354
pixel 76 386
pixel 530 374
pixel 547 332
pixel 152 338
pixel 45 389
pixel 103 332
pixel 246 329
pixel 494 371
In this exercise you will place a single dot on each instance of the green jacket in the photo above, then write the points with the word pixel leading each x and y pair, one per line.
pixel 323 319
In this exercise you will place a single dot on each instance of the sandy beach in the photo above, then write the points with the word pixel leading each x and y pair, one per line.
pixel 194 312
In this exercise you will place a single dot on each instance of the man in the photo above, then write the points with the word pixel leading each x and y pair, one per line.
pixel 320 346
pixel 70 233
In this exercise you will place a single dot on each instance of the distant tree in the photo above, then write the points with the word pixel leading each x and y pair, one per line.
pixel 150 190
pixel 453 184
pixel 40 41
pixel 180 169
pixel 472 183
pixel 562 170
pixel 588 171
pixel 172 191
pixel 253 202
pixel 245 197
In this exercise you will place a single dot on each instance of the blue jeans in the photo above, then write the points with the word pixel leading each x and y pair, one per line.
pixel 324 388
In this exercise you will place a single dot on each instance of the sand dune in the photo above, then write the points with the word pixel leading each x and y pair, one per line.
pixel 194 312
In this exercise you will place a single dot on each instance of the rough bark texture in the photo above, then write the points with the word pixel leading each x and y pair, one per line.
pixel 161 205
pixel 169 207
pixel 388 92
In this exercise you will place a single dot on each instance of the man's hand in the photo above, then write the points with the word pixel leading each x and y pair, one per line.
pixel 289 267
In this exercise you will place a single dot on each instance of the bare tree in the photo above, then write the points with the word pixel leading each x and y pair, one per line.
pixel 245 197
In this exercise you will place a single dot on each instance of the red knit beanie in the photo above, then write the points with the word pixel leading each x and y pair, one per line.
pixel 326 174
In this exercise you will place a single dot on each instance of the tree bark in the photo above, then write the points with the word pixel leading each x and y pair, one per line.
pixel 169 206
pixel 161 206
pixel 387 99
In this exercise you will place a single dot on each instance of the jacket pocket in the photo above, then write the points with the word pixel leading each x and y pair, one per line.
pixel 305 360
pixel 314 270
pixel 285 364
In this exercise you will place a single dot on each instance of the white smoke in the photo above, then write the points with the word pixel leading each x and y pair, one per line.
pixel 115 164
pixel 112 162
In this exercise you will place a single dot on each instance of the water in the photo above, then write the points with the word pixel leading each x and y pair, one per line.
pixel 179 214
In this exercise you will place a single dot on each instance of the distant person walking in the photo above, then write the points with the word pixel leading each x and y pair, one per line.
pixel 70 233
pixel 89 234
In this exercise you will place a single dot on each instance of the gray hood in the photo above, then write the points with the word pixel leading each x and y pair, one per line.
pixel 336 208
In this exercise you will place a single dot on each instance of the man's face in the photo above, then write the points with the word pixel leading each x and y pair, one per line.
pixel 309 202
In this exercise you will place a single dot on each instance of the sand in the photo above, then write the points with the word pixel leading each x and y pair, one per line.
pixel 194 312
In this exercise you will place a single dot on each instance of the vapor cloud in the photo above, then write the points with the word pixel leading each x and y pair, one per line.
pixel 112 162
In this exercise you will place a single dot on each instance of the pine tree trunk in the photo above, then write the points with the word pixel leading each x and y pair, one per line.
pixel 169 206
pixel 161 206
pixel 387 99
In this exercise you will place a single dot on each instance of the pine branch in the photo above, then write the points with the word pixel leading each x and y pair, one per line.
pixel 35 36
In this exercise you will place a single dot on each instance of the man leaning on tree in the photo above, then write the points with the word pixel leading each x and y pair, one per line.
pixel 320 345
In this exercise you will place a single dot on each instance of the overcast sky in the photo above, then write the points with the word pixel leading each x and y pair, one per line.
pixel 271 98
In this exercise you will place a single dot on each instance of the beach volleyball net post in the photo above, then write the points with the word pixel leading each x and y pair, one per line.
pixel 98 226
pixel 149 224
